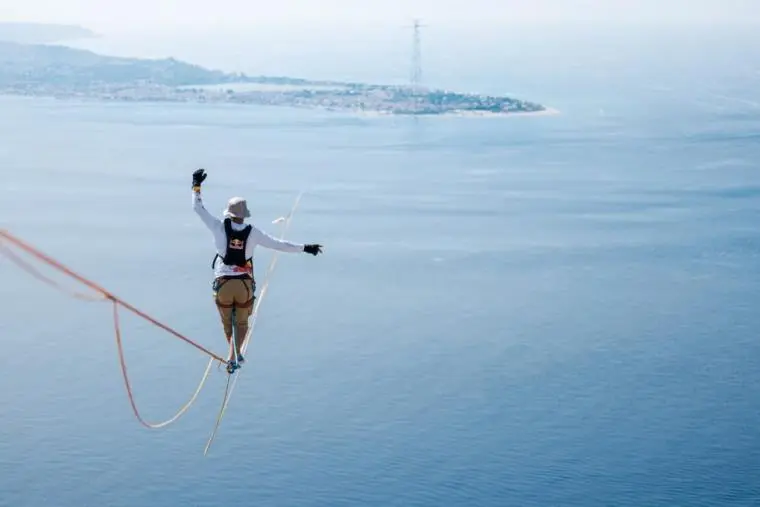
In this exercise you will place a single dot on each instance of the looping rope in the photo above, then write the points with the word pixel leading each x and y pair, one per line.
pixel 104 295
pixel 123 364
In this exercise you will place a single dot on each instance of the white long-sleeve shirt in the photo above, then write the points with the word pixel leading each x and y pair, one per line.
pixel 256 237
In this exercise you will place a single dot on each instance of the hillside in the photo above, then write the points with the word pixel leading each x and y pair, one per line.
pixel 43 65
pixel 30 65
pixel 39 33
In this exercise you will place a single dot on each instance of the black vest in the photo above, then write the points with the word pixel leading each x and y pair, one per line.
pixel 236 244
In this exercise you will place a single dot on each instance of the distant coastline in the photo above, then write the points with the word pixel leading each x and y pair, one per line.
pixel 41 70
pixel 39 33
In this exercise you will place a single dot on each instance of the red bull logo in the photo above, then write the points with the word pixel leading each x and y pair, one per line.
pixel 248 268
pixel 236 244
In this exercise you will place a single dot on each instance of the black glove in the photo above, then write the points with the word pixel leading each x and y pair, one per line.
pixel 198 177
pixel 312 249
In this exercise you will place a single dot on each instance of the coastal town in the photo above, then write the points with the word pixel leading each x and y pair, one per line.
pixel 376 99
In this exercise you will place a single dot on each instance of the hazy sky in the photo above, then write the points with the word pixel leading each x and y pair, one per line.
pixel 371 40
pixel 208 15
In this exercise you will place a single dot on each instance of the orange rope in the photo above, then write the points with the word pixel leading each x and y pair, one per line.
pixel 106 294
pixel 29 269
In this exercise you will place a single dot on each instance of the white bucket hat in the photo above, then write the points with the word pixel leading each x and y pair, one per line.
pixel 237 208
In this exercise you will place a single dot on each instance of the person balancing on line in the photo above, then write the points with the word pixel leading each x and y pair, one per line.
pixel 234 285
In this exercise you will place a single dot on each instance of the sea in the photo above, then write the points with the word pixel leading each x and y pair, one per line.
pixel 547 310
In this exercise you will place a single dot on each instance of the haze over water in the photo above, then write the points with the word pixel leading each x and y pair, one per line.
pixel 556 310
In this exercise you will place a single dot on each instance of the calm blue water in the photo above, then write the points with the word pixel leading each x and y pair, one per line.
pixel 526 311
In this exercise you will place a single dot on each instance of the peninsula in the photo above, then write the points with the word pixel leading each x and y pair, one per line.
pixel 65 72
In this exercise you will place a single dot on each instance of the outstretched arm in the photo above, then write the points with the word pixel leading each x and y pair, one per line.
pixel 262 238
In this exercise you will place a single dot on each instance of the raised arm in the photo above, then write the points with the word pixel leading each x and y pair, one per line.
pixel 210 220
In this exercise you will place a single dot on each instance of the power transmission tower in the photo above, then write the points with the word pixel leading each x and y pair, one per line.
pixel 416 56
